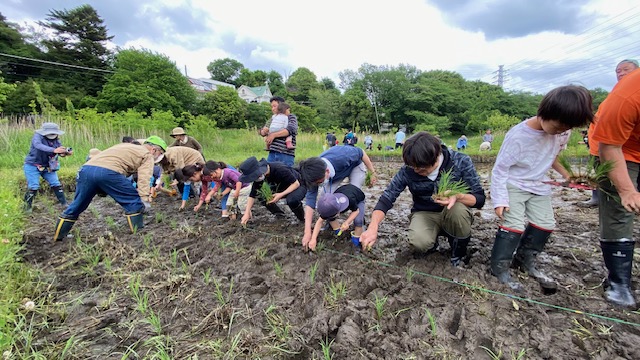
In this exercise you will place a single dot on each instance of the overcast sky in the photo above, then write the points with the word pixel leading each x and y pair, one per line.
pixel 541 43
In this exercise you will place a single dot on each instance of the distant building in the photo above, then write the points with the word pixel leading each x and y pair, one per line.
pixel 204 86
pixel 256 94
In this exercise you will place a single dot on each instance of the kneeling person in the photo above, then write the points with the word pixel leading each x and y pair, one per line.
pixel 346 198
pixel 107 172
pixel 426 159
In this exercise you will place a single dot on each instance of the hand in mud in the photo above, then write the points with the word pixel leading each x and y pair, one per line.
pixel 631 201
pixel 276 197
pixel 306 239
pixel 184 203
pixel 245 217
pixel 344 227
pixel 368 238
pixel 219 196
pixel 500 211
pixel 197 207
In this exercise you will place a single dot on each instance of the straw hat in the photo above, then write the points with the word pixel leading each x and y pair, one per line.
pixel 177 131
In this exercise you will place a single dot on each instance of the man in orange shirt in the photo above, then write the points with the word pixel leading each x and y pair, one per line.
pixel 617 132
pixel 623 68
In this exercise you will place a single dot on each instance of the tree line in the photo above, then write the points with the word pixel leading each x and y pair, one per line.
pixel 372 97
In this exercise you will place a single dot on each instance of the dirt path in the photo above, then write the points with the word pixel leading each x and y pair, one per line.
pixel 194 284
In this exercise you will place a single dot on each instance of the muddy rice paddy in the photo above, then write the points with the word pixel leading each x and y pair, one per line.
pixel 197 286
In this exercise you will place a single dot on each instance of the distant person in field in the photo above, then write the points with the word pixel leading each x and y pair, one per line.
pixel 276 141
pixel 425 161
pixel 283 181
pixel 325 174
pixel 623 68
pixel 485 146
pixel 400 136
pixel 43 161
pixel 182 139
pixel 107 173
pixel 461 144
pixel 368 142
pixel 617 135
pixel 487 137
pixel 520 196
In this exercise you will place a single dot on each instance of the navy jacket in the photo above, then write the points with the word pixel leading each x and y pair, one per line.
pixel 41 150
pixel 422 188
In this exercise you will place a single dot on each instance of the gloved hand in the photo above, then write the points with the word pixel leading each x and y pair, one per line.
pixel 147 206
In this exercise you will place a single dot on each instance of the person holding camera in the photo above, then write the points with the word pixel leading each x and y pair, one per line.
pixel 43 161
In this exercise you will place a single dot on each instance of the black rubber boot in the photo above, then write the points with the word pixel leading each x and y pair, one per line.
pixel 62 228
pixel 532 243
pixel 618 258
pixel 299 212
pixel 135 221
pixel 458 250
pixel 275 210
pixel 501 255
pixel 28 200
pixel 57 190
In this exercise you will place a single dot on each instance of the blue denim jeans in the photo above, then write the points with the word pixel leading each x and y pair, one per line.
pixel 91 179
pixel 33 175
pixel 283 158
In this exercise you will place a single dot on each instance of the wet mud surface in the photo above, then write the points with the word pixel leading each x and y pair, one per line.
pixel 197 286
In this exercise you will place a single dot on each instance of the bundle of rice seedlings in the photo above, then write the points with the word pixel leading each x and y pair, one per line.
pixel 447 187
pixel 589 174
pixel 367 179
pixel 266 192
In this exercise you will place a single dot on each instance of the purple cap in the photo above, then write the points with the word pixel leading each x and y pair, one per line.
pixel 331 205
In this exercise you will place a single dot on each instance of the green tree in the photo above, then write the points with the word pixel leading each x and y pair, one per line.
pixel 327 104
pixel 300 84
pixel 226 70
pixel 256 115
pixel 225 107
pixel 276 85
pixel 143 81
pixel 307 116
pixel 80 38
pixel 13 42
pixel 598 95
pixel 5 90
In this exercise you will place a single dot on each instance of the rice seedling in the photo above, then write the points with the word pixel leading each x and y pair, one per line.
pixel 447 187
pixel 160 217
pixel 581 331
pixel 146 240
pixel 141 297
pixel 154 320
pixel 278 268
pixel 260 254
pixel 110 222
pixel 492 354
pixel 379 303
pixel 335 292
pixel 174 258
pixel 220 295
pixel 368 179
pixel 520 355
pixel 410 273
pixel 590 173
pixel 312 272
pixel 432 322
pixel 326 348
pixel 206 276
pixel 278 325
pixel 265 192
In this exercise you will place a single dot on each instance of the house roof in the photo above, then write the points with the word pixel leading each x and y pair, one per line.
pixel 259 90
pixel 207 84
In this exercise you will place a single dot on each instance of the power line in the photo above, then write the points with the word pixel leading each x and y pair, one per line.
pixel 56 63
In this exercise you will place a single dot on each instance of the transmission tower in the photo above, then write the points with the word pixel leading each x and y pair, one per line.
pixel 500 76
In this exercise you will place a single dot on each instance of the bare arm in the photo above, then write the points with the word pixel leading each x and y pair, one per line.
pixel 560 169
pixel 619 176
